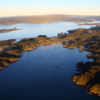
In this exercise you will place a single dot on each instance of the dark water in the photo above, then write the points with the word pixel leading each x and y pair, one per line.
pixel 44 74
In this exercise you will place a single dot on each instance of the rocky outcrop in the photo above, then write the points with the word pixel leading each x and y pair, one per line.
pixel 6 43
pixel 95 89
pixel 89 73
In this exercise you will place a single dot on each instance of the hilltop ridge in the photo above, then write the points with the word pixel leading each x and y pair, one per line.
pixel 41 19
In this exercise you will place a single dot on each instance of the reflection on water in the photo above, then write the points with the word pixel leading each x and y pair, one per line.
pixel 43 74
pixel 50 46
pixel 33 30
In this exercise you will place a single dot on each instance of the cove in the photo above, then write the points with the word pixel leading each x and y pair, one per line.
pixel 44 74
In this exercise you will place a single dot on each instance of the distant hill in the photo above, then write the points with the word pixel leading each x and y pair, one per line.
pixel 40 19
pixel 93 18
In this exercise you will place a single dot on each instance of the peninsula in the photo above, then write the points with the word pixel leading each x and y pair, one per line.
pixel 8 30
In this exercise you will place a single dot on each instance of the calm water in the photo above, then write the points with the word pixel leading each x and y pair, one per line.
pixel 44 74
pixel 33 30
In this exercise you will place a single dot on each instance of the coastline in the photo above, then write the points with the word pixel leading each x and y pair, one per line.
pixel 88 75
pixel 8 30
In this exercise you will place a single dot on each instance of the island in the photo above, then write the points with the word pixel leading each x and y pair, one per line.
pixel 8 30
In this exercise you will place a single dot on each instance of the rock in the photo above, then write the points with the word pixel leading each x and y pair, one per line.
pixel 95 89
pixel 42 36
pixel 97 60
pixel 80 50
pixel 81 80
pixel 79 46
pixel 90 55
pixel 71 46
pixel 3 63
pixel 6 42
pixel 1 67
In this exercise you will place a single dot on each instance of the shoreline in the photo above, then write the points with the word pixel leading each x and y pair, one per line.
pixel 88 75
pixel 8 30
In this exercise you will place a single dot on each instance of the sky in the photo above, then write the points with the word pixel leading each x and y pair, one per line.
pixel 45 7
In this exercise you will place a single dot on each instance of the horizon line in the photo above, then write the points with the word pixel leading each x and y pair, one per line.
pixel 47 15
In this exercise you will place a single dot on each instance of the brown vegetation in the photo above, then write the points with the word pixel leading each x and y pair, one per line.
pixel 40 19
pixel 8 30
pixel 88 73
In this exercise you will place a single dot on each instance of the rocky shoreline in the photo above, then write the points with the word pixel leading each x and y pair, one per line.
pixel 88 74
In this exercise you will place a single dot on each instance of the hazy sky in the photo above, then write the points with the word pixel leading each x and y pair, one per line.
pixel 41 7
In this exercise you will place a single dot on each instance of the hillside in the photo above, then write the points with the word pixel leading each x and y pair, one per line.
pixel 40 19
pixel 97 18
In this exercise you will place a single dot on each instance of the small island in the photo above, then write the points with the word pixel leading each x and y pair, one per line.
pixel 8 30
